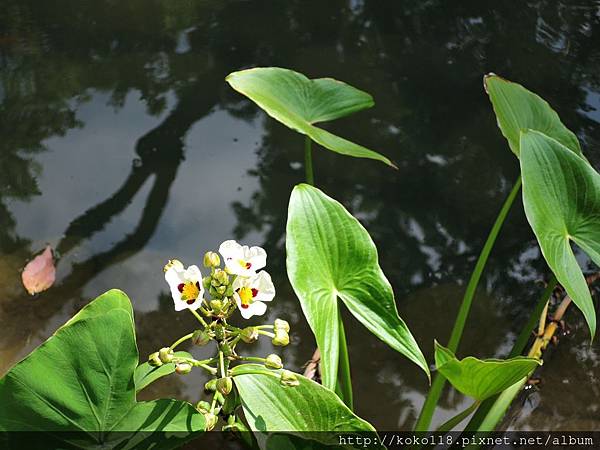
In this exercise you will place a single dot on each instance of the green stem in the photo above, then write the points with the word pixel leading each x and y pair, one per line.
pixel 517 349
pixel 200 319
pixel 266 333
pixel 344 380
pixel 221 364
pixel 180 340
pixel 252 359
pixel 451 423
pixel 308 165
pixel 439 381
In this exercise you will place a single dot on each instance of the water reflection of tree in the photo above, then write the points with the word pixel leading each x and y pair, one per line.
pixel 421 60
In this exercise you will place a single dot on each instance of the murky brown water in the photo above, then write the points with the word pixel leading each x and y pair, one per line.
pixel 122 146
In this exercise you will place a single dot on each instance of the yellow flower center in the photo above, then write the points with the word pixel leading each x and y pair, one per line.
pixel 246 295
pixel 244 264
pixel 189 291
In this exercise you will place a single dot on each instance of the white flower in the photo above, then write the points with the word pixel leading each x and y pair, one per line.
pixel 242 260
pixel 250 293
pixel 186 285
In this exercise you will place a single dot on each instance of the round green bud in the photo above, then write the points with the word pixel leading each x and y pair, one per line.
pixel 216 306
pixel 225 385
pixel 203 407
pixel 212 291
pixel 200 337
pixel 211 385
pixel 221 290
pixel 288 378
pixel 229 291
pixel 154 360
pixel 230 420
pixel 249 335
pixel 219 332
pixel 226 349
pixel 206 281
pixel 221 277
pixel 211 259
pixel 165 354
pixel 282 338
pixel 273 361
pixel 211 420
pixel 281 324
pixel 183 368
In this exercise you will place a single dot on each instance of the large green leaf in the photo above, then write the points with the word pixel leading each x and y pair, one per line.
pixel 81 380
pixel 299 103
pixel 308 410
pixel 478 378
pixel 145 373
pixel 561 195
pixel 518 109
pixel 329 256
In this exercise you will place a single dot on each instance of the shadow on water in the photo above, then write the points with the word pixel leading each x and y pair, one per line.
pixel 123 147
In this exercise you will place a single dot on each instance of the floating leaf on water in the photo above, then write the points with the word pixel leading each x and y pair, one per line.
pixel 39 274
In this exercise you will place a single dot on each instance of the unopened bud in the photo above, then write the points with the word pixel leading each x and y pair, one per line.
pixel 216 306
pixel 211 259
pixel 229 291
pixel 211 420
pixel 226 349
pixel 183 368
pixel 203 407
pixel 211 385
pixel 165 354
pixel 221 290
pixel 281 324
pixel 206 281
pixel 225 385
pixel 273 361
pixel 154 360
pixel 249 335
pixel 221 277
pixel 219 332
pixel 288 378
pixel 282 338
pixel 200 337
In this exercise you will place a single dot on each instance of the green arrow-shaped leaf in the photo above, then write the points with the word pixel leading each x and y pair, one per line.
pixel 299 102
pixel 478 378
pixel 561 195
pixel 519 109
pixel 308 409
pixel 329 256
pixel 81 379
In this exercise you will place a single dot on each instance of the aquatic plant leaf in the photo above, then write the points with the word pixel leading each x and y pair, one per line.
pixel 299 102
pixel 519 109
pixel 81 380
pixel 478 378
pixel 561 196
pixel 39 274
pixel 146 374
pixel 329 256
pixel 308 409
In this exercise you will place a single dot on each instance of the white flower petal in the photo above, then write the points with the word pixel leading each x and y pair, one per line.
pixel 177 275
pixel 254 309
pixel 265 287
pixel 174 277
pixel 256 256
pixel 193 274
pixel 231 250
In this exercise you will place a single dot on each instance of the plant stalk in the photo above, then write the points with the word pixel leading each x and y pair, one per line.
pixel 308 165
pixel 439 381
pixel 344 379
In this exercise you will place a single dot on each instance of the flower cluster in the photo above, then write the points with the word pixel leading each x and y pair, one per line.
pixel 241 280
pixel 236 282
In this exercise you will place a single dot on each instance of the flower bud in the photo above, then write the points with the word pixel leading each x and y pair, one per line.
pixel 216 306
pixel 154 360
pixel 282 338
pixel 229 291
pixel 230 420
pixel 203 407
pixel 200 337
pixel 273 361
pixel 206 281
pixel 226 349
pixel 165 354
pixel 211 385
pixel 221 290
pixel 183 368
pixel 288 378
pixel 219 332
pixel 211 420
pixel 221 277
pixel 211 259
pixel 281 324
pixel 225 385
pixel 249 335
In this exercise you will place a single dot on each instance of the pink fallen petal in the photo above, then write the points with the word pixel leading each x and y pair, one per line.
pixel 39 274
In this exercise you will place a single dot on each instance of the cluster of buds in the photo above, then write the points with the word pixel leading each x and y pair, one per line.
pixel 235 283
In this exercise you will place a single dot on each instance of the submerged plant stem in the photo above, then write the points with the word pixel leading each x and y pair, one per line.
pixel 344 384
pixel 459 325
pixel 308 165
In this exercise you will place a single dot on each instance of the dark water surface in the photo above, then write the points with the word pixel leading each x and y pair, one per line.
pixel 122 146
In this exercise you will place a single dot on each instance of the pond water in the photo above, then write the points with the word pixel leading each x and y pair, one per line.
pixel 122 146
